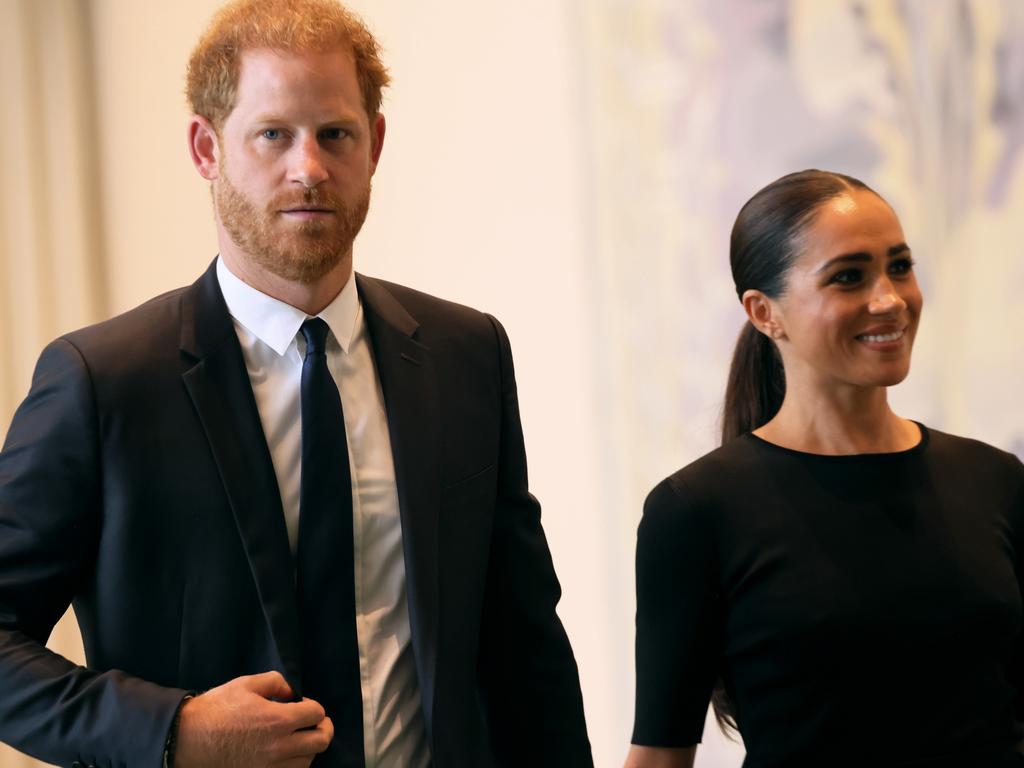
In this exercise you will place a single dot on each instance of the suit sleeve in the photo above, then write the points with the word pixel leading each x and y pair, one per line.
pixel 50 520
pixel 528 673
pixel 1016 516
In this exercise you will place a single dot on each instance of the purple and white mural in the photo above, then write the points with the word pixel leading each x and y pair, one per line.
pixel 693 106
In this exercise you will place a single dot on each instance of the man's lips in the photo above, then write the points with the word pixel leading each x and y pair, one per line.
pixel 307 214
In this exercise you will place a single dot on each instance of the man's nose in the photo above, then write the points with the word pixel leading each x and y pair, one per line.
pixel 307 166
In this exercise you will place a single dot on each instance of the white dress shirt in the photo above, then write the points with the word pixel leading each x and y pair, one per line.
pixel 273 348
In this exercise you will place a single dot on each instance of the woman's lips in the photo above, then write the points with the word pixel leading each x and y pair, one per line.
pixel 882 340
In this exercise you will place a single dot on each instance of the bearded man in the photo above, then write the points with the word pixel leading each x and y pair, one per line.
pixel 288 502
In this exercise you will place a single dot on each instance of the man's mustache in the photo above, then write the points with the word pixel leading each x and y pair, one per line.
pixel 308 198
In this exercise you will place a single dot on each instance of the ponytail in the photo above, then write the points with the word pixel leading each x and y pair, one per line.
pixel 757 384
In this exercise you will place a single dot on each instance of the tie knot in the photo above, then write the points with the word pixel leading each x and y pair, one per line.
pixel 315 330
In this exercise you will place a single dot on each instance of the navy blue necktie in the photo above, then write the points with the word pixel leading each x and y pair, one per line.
pixel 325 576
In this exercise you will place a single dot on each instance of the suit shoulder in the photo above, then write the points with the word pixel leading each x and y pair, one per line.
pixel 133 340
pixel 440 323
pixel 425 306
pixel 149 318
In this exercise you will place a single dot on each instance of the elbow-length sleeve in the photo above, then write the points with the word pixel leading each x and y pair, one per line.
pixel 679 619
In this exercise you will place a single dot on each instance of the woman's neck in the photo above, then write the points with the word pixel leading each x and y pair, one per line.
pixel 840 421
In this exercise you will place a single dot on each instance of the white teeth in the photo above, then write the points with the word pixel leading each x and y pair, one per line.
pixel 883 337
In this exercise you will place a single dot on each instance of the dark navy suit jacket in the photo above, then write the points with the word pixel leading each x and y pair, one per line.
pixel 136 482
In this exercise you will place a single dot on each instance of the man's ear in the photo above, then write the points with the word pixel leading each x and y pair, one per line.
pixel 204 147
pixel 764 314
pixel 377 130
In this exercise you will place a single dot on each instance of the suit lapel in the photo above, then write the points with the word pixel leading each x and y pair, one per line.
pixel 407 377
pixel 222 395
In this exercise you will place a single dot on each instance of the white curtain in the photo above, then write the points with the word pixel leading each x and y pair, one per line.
pixel 51 275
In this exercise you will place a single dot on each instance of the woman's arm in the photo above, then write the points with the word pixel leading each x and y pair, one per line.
pixel 660 757
pixel 679 628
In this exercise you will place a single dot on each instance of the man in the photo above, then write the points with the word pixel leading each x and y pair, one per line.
pixel 289 502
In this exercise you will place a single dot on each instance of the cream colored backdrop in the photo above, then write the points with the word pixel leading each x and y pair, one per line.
pixel 51 268
pixel 574 168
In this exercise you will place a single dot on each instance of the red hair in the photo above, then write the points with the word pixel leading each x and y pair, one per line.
pixel 287 25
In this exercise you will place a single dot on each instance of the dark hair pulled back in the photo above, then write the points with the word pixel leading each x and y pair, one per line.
pixel 763 246
pixel 762 249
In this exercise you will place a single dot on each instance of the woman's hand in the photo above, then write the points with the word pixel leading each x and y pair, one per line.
pixel 660 757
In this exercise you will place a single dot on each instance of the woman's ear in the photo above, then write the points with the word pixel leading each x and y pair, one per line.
pixel 764 313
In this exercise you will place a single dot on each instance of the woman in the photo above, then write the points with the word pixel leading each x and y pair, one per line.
pixel 849 578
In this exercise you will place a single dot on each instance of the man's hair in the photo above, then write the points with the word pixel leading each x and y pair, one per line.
pixel 295 26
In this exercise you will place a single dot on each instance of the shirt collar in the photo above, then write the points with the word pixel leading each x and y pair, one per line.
pixel 276 323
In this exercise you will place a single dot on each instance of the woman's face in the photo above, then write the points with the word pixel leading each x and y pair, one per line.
pixel 850 309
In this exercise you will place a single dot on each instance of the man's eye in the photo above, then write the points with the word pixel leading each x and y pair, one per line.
pixel 901 266
pixel 849 276
pixel 272 133
pixel 332 134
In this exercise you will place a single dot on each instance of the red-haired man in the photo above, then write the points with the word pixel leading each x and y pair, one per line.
pixel 289 502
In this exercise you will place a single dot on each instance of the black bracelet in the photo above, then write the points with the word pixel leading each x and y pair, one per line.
pixel 172 734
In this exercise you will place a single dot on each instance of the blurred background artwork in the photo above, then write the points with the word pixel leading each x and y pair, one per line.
pixel 573 166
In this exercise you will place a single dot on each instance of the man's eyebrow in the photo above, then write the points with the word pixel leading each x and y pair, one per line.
pixel 271 118
pixel 861 256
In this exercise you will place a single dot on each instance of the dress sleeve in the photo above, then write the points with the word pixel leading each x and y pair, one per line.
pixel 679 619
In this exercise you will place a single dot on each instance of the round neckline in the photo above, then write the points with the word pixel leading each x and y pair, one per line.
pixel 907 452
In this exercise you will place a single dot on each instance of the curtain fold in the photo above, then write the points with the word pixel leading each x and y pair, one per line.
pixel 51 271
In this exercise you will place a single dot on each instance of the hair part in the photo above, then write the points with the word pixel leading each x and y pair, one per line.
pixel 295 26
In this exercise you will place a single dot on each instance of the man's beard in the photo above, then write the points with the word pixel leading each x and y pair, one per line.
pixel 301 253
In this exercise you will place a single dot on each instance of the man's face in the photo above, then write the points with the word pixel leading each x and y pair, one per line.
pixel 296 156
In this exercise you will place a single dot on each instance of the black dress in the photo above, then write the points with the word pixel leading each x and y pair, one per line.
pixel 862 610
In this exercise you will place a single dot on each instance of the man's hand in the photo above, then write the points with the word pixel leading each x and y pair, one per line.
pixel 238 725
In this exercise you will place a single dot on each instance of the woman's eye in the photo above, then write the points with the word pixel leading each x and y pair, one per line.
pixel 849 276
pixel 901 266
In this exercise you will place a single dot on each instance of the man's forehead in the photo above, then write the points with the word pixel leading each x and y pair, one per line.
pixel 270 77
pixel 272 72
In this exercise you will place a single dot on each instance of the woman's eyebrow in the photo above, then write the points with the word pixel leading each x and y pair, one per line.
pixel 861 256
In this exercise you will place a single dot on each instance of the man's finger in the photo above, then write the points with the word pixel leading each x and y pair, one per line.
pixel 269 685
pixel 302 714
pixel 308 743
